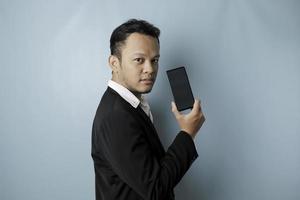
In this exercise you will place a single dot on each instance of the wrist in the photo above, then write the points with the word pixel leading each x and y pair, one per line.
pixel 187 132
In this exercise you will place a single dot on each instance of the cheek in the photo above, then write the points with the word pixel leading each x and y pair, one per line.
pixel 136 75
pixel 131 72
pixel 132 76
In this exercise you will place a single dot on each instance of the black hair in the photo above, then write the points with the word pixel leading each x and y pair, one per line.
pixel 120 34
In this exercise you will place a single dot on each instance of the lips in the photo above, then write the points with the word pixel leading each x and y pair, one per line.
pixel 147 81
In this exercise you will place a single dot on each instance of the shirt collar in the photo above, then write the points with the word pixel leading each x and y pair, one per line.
pixel 124 93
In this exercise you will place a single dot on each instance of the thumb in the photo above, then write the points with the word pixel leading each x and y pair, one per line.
pixel 196 106
pixel 174 109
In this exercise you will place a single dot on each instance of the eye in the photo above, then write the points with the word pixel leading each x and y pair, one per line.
pixel 139 60
pixel 155 60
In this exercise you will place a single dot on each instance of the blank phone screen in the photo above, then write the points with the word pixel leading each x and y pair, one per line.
pixel 181 88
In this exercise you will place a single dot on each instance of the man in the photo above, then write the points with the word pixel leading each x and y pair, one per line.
pixel 129 159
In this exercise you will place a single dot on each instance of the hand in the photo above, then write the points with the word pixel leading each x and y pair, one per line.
pixel 191 122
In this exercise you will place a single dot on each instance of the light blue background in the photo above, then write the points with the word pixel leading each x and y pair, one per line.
pixel 242 58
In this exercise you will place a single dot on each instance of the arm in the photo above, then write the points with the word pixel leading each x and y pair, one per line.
pixel 130 155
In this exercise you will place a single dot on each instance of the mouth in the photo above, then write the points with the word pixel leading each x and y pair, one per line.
pixel 147 81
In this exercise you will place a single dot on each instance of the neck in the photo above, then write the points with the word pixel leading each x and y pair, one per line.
pixel 138 95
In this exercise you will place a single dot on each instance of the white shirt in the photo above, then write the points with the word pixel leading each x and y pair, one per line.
pixel 131 98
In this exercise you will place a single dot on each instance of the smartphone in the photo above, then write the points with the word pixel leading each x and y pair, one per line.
pixel 181 89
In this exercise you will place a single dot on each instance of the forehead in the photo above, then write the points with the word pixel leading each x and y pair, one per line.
pixel 137 43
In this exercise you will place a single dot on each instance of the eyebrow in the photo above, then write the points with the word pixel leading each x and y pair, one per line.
pixel 141 54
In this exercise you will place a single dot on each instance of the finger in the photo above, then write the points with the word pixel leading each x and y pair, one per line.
pixel 200 105
pixel 196 106
pixel 174 110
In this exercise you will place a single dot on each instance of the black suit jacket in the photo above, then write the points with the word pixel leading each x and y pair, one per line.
pixel 129 160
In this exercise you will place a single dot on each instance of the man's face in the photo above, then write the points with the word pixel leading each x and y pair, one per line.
pixel 138 66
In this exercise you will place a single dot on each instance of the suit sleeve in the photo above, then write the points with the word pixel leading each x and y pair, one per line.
pixel 126 148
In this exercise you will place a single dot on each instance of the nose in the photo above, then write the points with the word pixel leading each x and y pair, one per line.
pixel 149 67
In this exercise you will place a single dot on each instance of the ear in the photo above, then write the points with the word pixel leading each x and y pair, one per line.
pixel 114 63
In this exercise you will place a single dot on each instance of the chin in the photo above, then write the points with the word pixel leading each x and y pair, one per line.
pixel 145 91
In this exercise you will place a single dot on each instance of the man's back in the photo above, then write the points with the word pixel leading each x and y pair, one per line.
pixel 110 185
